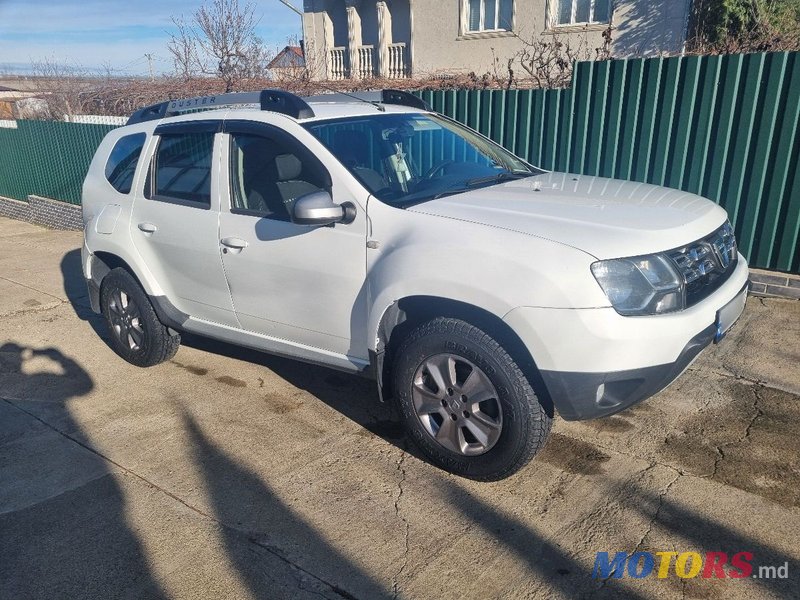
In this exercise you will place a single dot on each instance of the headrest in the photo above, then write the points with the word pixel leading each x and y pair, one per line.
pixel 288 167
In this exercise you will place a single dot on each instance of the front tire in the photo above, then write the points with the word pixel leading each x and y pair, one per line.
pixel 136 333
pixel 465 402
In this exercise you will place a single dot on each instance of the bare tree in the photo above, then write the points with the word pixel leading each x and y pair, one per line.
pixel 549 61
pixel 63 88
pixel 220 40
pixel 183 48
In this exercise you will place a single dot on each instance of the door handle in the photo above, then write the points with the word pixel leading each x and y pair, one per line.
pixel 147 228
pixel 236 245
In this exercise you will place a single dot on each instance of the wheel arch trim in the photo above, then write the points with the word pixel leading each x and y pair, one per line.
pixel 102 263
pixel 415 309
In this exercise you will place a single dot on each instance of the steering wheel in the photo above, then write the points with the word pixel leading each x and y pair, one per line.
pixel 436 168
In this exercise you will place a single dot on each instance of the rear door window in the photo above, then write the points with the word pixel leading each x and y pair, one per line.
pixel 181 169
pixel 122 161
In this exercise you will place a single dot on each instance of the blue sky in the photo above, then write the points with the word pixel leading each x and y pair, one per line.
pixel 91 33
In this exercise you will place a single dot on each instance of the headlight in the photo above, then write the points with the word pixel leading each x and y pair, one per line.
pixel 644 285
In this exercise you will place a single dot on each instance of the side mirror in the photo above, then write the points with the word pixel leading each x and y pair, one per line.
pixel 318 209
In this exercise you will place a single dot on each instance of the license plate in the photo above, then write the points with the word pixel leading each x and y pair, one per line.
pixel 729 314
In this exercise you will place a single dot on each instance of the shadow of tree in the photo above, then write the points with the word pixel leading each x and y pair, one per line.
pixel 648 28
pixel 712 535
pixel 545 558
pixel 62 513
pixel 253 517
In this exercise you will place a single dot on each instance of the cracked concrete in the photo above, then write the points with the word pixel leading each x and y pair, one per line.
pixel 398 575
pixel 230 474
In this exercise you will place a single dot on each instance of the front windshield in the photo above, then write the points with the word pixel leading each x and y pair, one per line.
pixel 406 158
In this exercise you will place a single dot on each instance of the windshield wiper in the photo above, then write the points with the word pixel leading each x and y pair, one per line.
pixel 482 181
pixel 498 178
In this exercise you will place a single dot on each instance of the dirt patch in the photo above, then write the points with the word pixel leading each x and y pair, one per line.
pixel 766 460
pixel 231 381
pixel 609 425
pixel 280 406
pixel 573 456
pixel 191 368
pixel 751 443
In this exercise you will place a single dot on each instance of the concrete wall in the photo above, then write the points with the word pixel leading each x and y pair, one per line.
pixel 640 27
pixel 43 211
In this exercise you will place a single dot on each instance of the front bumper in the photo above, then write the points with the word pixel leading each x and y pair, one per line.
pixel 595 362
pixel 581 396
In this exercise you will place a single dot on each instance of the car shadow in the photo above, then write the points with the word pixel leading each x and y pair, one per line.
pixel 78 295
pixel 64 527
pixel 353 396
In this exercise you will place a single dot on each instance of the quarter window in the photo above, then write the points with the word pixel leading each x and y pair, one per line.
pixel 582 12
pixel 122 161
pixel 489 15
pixel 182 168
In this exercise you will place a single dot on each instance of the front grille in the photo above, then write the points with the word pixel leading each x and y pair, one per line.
pixel 706 264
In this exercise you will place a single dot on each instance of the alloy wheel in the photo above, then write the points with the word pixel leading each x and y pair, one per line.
pixel 457 404
pixel 126 320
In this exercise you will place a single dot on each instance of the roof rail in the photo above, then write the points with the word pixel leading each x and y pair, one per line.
pixel 388 96
pixel 404 99
pixel 278 101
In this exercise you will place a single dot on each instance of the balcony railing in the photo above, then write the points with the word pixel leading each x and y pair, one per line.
pixel 337 64
pixel 365 62
pixel 397 61
pixel 340 68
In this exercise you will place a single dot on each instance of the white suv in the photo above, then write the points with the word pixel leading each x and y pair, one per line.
pixel 369 234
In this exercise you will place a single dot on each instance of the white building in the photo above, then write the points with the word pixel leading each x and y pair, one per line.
pixel 401 38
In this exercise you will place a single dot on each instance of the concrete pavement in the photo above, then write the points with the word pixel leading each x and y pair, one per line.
pixel 231 474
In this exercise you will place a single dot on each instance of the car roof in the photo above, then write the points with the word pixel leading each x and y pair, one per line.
pixel 331 110
pixel 323 111
pixel 272 101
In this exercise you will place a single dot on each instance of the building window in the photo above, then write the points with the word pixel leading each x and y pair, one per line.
pixel 489 15
pixel 583 12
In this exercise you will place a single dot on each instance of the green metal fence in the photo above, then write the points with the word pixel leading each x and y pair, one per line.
pixel 725 127
pixel 47 158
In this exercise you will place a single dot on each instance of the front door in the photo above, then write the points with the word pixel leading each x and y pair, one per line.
pixel 299 284
pixel 174 223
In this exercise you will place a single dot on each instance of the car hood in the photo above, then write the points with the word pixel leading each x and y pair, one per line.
pixel 607 218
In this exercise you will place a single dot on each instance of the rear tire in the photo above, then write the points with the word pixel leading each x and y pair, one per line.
pixel 136 333
pixel 465 402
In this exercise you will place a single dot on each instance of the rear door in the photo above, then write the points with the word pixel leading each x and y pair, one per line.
pixel 175 221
